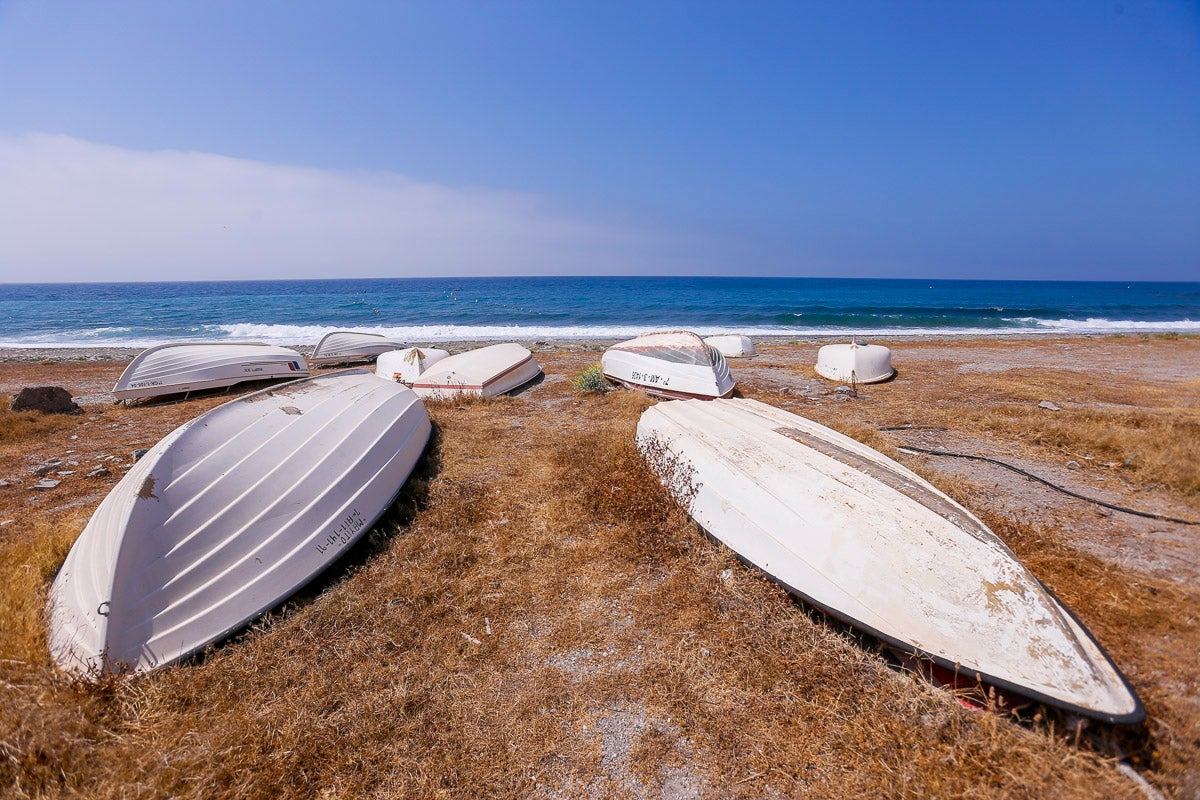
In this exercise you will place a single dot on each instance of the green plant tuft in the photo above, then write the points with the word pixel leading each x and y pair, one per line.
pixel 590 379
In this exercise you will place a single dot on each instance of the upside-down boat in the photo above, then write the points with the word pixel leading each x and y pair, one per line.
pixel 228 516
pixel 733 345
pixel 485 372
pixel 855 363
pixel 349 347
pixel 872 544
pixel 670 364
pixel 406 365
pixel 181 367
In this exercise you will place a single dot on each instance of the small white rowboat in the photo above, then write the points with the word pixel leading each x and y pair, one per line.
pixel 855 363
pixel 672 365
pixel 870 543
pixel 194 366
pixel 732 345
pixel 348 347
pixel 485 372
pixel 405 366
pixel 228 516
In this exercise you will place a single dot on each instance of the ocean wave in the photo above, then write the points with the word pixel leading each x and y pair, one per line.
pixel 309 335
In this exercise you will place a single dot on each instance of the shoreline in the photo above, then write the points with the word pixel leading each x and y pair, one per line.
pixel 38 353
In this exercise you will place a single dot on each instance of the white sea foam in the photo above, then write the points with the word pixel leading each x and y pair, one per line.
pixel 309 335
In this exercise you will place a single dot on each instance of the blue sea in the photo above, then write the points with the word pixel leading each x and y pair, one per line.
pixel 431 310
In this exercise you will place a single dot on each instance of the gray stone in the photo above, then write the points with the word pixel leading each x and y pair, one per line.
pixel 141 451
pixel 98 472
pixel 1072 465
pixel 46 399
pixel 47 467
pixel 1046 404
pixel 1129 461
pixel 48 483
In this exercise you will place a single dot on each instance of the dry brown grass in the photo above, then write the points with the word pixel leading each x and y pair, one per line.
pixel 548 623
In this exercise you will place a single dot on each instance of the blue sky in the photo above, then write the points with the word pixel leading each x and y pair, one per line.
pixel 262 139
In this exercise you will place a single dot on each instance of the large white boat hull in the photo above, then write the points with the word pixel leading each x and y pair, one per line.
pixel 486 372
pixel 671 365
pixel 229 515
pixel 855 363
pixel 182 367
pixel 349 347
pixel 871 543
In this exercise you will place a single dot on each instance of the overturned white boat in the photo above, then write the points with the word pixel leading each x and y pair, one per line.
pixel 672 364
pixel 732 345
pixel 349 347
pixel 229 515
pixel 405 366
pixel 855 363
pixel 182 367
pixel 872 544
pixel 485 372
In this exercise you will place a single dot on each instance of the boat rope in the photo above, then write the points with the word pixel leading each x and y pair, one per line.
pixel 1056 487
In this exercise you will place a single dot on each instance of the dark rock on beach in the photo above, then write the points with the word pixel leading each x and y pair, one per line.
pixel 47 399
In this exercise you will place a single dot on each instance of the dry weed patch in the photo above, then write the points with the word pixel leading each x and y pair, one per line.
pixel 542 620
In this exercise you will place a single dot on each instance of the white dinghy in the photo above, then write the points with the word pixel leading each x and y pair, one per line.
pixel 405 366
pixel 732 345
pixel 182 367
pixel 229 515
pixel 349 347
pixel 485 372
pixel 870 543
pixel 855 363
pixel 672 364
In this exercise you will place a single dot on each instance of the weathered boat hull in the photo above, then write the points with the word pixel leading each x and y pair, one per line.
pixel 855 363
pixel 486 372
pixel 872 544
pixel 182 367
pixel 732 345
pixel 350 347
pixel 407 365
pixel 229 515
pixel 674 365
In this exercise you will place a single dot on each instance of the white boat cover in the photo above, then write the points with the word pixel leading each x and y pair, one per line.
pixel 228 516
pixel 347 347
pixel 855 363
pixel 485 372
pixel 405 366
pixel 871 543
pixel 192 366
pixel 671 364
pixel 732 345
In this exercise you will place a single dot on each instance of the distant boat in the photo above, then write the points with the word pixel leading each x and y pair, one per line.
pixel 182 367
pixel 228 516
pixel 671 364
pixel 872 544
pixel 348 347
pixel 855 363
pixel 406 365
pixel 732 345
pixel 485 372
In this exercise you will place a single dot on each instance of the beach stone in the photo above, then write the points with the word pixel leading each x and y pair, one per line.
pixel 1046 404
pixel 46 399
pixel 48 483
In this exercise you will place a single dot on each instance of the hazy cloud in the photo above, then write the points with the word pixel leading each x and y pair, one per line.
pixel 76 210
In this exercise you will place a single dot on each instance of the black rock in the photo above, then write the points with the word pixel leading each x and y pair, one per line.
pixel 47 399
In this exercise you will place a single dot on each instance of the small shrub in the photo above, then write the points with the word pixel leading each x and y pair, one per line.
pixel 590 379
